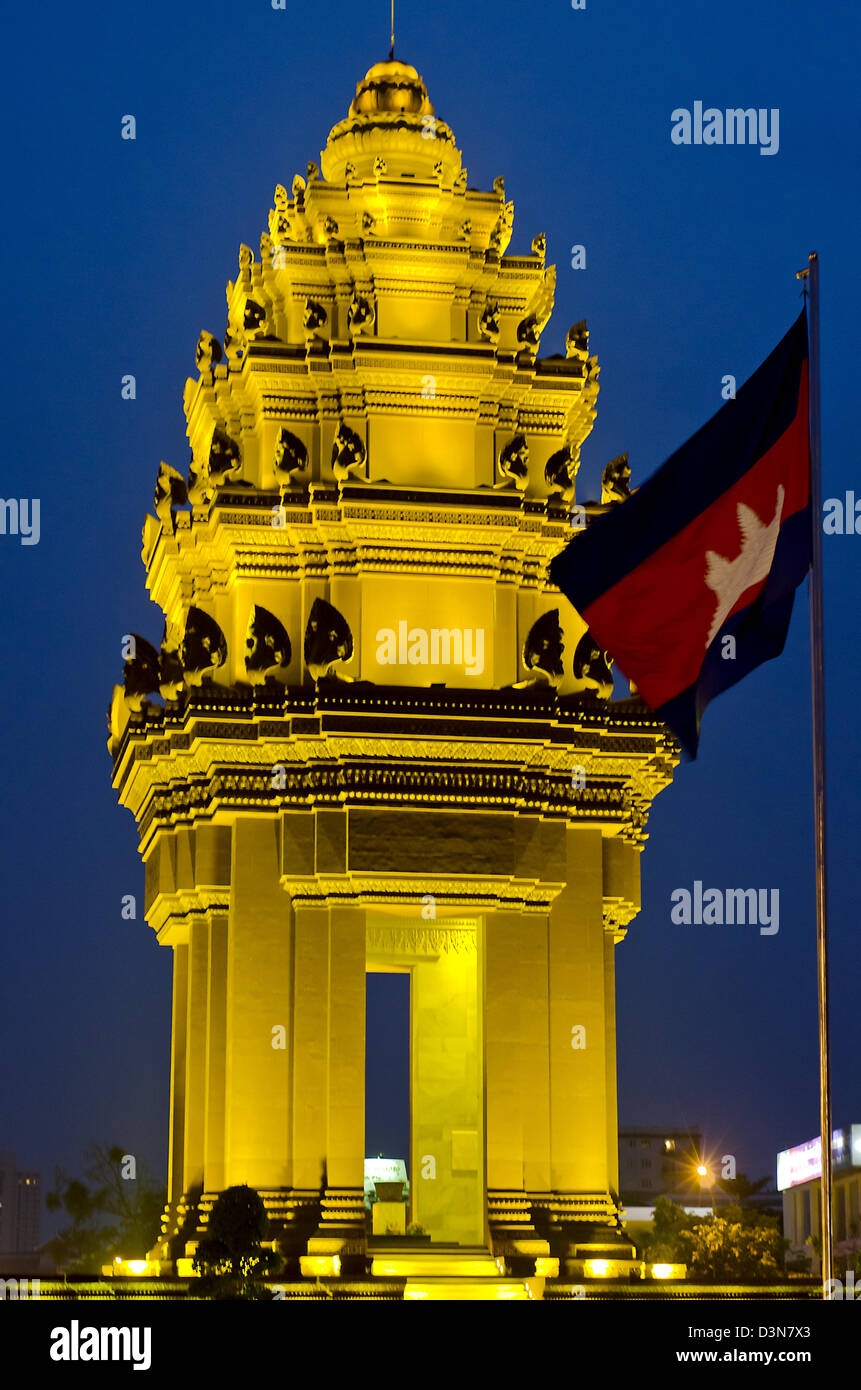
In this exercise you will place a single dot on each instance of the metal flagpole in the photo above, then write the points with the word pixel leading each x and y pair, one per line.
pixel 817 685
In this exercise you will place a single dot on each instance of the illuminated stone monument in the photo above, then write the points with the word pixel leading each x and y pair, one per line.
pixel 383 741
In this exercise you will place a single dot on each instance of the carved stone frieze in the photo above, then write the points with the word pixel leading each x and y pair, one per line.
pixel 423 939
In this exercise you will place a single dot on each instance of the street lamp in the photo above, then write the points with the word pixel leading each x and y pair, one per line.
pixel 703 1172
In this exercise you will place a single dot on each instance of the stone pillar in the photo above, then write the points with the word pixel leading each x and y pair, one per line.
pixel 258 1016
pixel 310 1045
pixel 621 904
pixel 502 1051
pixel 517 1079
pixel 195 1052
pixel 179 1015
pixel 343 1214
pixel 216 1014
pixel 578 1062
pixel 446 1096
pixel 611 1066
pixel 345 1146
pixel 534 1044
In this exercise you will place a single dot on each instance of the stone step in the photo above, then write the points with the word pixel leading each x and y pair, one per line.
pixel 470 1289
pixel 436 1262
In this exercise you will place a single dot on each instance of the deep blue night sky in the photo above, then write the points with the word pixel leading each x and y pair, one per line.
pixel 117 254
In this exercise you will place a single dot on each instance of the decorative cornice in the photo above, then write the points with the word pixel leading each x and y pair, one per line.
pixel 170 914
pixel 460 892
pixel 618 914
pixel 508 752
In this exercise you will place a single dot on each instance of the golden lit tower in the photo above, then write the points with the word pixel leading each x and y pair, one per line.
pixel 384 741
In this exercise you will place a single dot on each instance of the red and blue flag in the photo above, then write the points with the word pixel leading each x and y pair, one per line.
pixel 711 547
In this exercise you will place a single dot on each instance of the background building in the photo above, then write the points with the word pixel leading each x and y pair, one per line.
pixel 657 1162
pixel 799 1172
pixel 20 1207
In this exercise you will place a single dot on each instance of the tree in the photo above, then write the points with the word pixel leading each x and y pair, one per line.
pixel 741 1246
pixel 231 1259
pixel 728 1251
pixel 665 1242
pixel 741 1186
pixel 109 1214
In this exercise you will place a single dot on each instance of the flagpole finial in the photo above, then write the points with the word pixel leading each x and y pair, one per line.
pixel 392 49
pixel 805 275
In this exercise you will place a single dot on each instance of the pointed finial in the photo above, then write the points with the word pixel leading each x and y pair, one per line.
pixel 392 49
pixel 803 275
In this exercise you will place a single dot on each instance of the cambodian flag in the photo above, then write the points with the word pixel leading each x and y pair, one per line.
pixel 689 584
